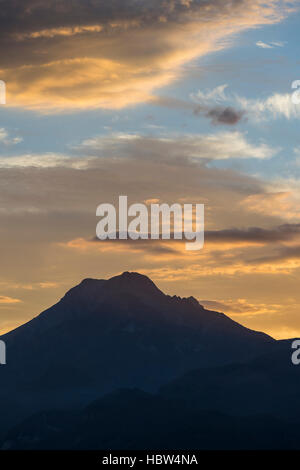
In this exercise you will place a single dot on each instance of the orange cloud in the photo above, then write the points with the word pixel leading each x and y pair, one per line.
pixel 110 57
pixel 241 307
pixel 8 300
pixel 281 204
pixel 63 31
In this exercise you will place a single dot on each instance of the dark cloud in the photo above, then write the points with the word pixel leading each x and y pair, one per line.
pixel 29 15
pixel 225 115
pixel 218 115
pixel 281 233
pixel 282 253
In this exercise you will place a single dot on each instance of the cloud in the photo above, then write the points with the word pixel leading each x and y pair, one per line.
pixel 187 149
pixel 30 287
pixel 218 115
pixel 241 307
pixel 190 147
pixel 168 260
pixel 226 252
pixel 6 139
pixel 270 45
pixel 281 254
pixel 147 249
pixel 47 160
pixel 281 198
pixel 61 56
pixel 256 235
pixel 228 115
pixel 146 171
pixel 274 106
pixel 61 31
pixel 264 45
pixel 8 300
pixel 215 95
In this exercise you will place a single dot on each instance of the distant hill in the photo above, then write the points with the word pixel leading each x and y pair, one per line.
pixel 267 384
pixel 132 419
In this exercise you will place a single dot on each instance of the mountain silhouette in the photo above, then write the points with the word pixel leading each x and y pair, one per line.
pixel 266 384
pixel 113 334
pixel 134 419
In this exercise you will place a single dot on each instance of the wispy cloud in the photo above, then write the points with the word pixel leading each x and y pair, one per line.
pixel 272 107
pixel 280 199
pixel 168 148
pixel 8 300
pixel 241 307
pixel 171 149
pixel 270 45
pixel 6 139
pixel 46 160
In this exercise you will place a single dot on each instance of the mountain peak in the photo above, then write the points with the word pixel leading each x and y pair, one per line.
pixel 133 280
pixel 133 276
pixel 129 282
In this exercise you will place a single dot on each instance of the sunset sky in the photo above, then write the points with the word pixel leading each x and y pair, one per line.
pixel 166 100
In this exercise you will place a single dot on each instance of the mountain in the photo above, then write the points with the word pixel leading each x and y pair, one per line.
pixel 266 384
pixel 250 405
pixel 109 334
pixel 133 419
